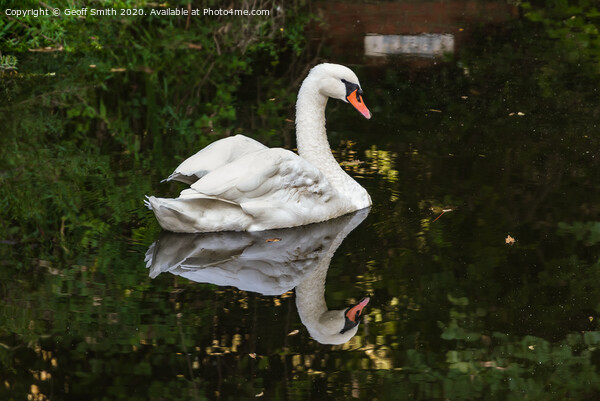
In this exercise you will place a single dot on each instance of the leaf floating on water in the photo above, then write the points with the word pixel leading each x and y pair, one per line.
pixel 293 332
pixel 531 347
pixel 273 240
pixel 260 394
pixel 509 240
pixel 438 217
pixel 591 318
pixel 252 355
pixel 450 209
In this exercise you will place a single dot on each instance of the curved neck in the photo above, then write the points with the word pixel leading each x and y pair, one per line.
pixel 324 325
pixel 310 294
pixel 311 135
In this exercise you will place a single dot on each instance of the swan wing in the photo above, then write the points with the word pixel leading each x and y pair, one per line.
pixel 274 187
pixel 213 156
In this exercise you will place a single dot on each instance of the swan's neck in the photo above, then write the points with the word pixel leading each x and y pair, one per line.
pixel 311 135
pixel 310 294
pixel 324 325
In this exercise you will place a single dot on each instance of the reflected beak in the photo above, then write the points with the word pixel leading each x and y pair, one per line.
pixel 354 313
pixel 356 100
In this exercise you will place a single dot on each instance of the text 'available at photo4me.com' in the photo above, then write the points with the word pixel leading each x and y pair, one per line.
pixel 166 12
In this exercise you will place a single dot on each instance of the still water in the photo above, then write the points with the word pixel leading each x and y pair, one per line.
pixel 480 256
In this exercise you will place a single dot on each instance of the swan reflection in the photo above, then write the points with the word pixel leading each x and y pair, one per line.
pixel 270 263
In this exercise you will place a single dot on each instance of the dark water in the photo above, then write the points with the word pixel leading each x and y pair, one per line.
pixel 480 254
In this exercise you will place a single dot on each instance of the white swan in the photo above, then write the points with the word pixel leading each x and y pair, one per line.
pixel 299 257
pixel 238 184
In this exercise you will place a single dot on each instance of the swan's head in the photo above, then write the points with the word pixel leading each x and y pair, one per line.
pixel 337 326
pixel 339 82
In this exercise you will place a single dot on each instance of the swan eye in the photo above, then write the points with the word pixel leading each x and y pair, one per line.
pixel 354 97
pixel 348 324
pixel 351 87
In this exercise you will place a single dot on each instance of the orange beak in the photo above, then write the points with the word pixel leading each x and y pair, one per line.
pixel 355 312
pixel 356 100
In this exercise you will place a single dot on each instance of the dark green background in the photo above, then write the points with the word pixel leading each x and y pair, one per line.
pixel 504 132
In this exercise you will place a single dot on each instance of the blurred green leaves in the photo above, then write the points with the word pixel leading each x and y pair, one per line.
pixel 588 232
pixel 95 98
pixel 573 25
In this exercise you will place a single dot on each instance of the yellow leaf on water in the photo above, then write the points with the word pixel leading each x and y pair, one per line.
pixel 293 332
pixel 509 240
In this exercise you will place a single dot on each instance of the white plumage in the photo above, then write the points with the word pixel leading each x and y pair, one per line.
pixel 268 262
pixel 238 184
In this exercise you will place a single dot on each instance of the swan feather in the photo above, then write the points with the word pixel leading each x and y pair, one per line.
pixel 255 191
pixel 214 156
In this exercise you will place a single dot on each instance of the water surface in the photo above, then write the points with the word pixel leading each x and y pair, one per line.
pixel 479 255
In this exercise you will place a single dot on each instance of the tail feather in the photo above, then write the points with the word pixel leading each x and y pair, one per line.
pixel 147 202
pixel 198 214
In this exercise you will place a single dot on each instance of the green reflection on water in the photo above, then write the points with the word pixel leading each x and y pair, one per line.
pixel 456 312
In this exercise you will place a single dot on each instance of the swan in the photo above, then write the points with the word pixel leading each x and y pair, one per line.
pixel 271 263
pixel 238 184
